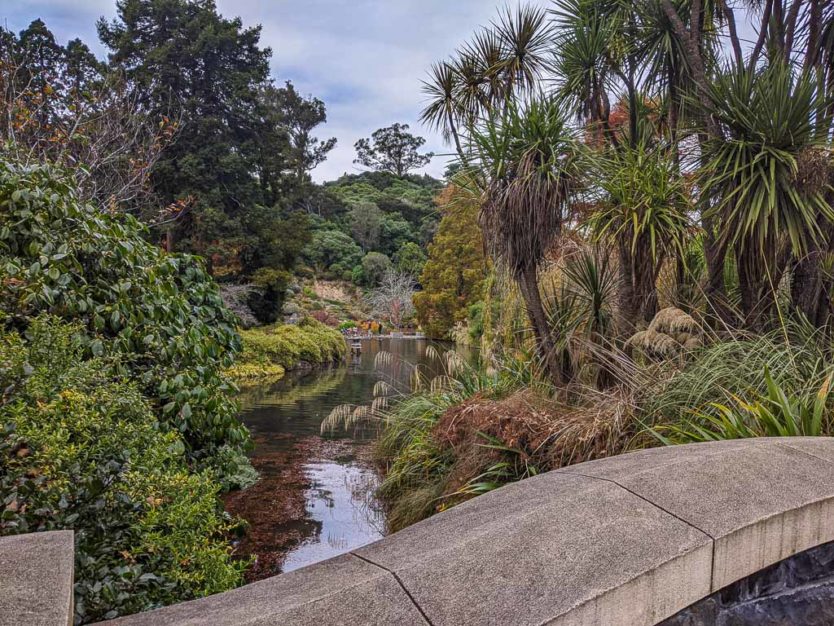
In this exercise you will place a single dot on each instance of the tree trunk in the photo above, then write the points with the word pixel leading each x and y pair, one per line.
pixel 645 279
pixel 528 284
pixel 629 310
pixel 810 286
pixel 759 275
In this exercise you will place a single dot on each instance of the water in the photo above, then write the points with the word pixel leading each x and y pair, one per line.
pixel 315 497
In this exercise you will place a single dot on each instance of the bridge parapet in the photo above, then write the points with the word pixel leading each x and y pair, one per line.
pixel 629 540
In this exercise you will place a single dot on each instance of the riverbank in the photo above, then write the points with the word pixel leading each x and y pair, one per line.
pixel 269 352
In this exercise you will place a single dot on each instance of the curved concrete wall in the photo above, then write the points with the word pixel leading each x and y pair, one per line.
pixel 627 540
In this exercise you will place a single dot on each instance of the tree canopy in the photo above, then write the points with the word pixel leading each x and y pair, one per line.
pixel 392 149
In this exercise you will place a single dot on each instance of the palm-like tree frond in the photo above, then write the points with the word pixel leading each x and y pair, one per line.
pixel 768 118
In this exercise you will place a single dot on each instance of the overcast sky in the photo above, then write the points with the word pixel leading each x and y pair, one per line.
pixel 364 58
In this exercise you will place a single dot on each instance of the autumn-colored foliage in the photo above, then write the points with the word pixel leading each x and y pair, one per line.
pixel 454 274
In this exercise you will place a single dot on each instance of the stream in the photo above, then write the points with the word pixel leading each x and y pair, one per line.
pixel 315 498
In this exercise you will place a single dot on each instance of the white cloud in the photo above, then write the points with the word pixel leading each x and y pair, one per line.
pixel 364 58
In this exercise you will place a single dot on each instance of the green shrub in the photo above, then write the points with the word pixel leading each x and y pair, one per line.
pixel 374 266
pixel 777 414
pixel 287 345
pixel 160 313
pixel 795 358
pixel 81 449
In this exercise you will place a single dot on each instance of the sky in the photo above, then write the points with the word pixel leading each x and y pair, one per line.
pixel 364 58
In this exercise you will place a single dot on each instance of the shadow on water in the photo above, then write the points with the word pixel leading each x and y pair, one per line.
pixel 315 496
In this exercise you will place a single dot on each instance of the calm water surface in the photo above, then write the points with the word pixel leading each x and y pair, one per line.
pixel 315 498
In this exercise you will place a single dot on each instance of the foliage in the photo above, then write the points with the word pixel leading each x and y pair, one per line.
pixel 775 415
pixel 288 345
pixel 411 196
pixel 644 212
pixel 81 450
pixel 794 356
pixel 365 221
pixel 299 116
pixel 269 246
pixel 61 104
pixel 266 299
pixel 392 149
pixel 333 253
pixel 160 313
pixel 235 298
pixel 255 374
pixel 375 265
pixel 395 232
pixel 502 62
pixel 410 259
pixel 245 147
pixel 768 122
pixel 529 170
pixel 454 273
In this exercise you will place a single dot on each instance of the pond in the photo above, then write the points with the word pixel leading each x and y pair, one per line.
pixel 315 498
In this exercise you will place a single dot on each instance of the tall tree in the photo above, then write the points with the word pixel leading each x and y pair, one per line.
pixel 529 172
pixel 299 116
pixel 365 223
pixel 392 149
pixel 453 277
pixel 64 106
pixel 183 58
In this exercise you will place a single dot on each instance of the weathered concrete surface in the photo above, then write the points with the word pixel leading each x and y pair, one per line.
pixel 761 500
pixel 796 591
pixel 36 578
pixel 345 590
pixel 626 541
pixel 558 548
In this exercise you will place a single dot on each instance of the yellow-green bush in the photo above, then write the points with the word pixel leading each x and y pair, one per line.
pixel 245 374
pixel 81 449
pixel 287 346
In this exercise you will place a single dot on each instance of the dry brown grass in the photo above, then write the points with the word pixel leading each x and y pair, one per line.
pixel 541 432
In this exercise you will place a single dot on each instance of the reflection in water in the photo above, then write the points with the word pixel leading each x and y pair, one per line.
pixel 315 497
pixel 346 522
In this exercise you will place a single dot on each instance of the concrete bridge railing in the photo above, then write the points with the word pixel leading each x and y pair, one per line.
pixel 629 540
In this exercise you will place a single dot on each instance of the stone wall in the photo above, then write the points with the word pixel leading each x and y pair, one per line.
pixel 36 579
